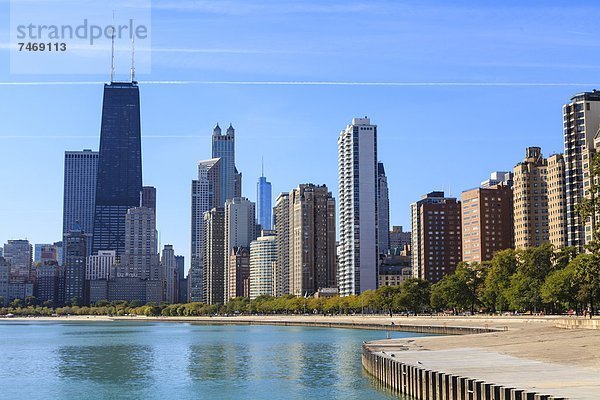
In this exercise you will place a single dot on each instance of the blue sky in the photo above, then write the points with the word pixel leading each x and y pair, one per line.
pixel 511 66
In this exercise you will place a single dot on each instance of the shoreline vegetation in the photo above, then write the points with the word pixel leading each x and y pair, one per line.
pixel 535 281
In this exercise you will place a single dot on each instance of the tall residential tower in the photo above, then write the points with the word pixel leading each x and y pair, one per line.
pixel 358 191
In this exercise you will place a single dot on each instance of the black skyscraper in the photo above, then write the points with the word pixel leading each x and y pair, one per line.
pixel 119 180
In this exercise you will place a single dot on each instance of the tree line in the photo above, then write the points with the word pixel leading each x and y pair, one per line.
pixel 534 280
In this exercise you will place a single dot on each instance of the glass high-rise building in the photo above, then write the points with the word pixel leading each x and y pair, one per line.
pixel 79 194
pixel 264 210
pixel 383 210
pixel 119 177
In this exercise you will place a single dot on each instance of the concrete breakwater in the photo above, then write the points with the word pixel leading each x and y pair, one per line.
pixel 397 327
pixel 427 384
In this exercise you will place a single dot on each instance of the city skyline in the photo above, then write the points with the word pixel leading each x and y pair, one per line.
pixel 282 118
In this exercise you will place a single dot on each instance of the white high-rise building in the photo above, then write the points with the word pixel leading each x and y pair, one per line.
pixel 358 192
pixel 99 266
pixel 240 230
pixel 263 263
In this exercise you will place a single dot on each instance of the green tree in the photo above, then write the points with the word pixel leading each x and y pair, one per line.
pixel 561 288
pixel 414 295
pixel 536 263
pixel 494 294
pixel 387 298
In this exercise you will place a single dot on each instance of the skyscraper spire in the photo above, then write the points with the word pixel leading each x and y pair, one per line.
pixel 112 54
pixel 217 130
pixel 132 53
pixel 262 166
pixel 230 130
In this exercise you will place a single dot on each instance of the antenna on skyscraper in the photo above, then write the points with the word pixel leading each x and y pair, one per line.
pixel 112 54
pixel 132 53
pixel 262 166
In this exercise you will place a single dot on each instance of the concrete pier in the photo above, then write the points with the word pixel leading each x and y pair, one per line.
pixel 533 361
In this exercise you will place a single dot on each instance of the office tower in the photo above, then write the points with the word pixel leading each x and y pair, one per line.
pixel 140 258
pixel 240 230
pixel 436 236
pixel 148 198
pixel 238 183
pixel 119 177
pixel 581 120
pixel 398 238
pixel 18 253
pixel 4 281
pixel 263 260
pixel 312 247
pixel 223 147
pixel 530 195
pixel 214 255
pixel 358 239
pixel 263 202
pixel 281 213
pixel 383 210
pixel 487 222
pixel 99 266
pixel 498 178
pixel 169 274
pixel 206 194
pixel 75 257
pixel 239 272
pixel 557 203
pixel 182 289
pixel 79 193
pixel 49 283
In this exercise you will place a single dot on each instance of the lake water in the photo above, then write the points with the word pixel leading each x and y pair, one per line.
pixel 162 360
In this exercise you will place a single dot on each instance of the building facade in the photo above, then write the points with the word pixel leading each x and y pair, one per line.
pixel 383 210
pixel 119 176
pixel 75 259
pixel 240 230
pixel 581 120
pixel 79 193
pixel 436 236
pixel 206 195
pixel 101 265
pixel 18 254
pixel 140 258
pixel 557 201
pixel 530 197
pixel 358 192
pixel 239 272
pixel 223 147
pixel 281 213
pixel 263 260
pixel 170 276
pixel 263 203
pixel 487 222
pixel 398 238
pixel 214 256
pixel 312 242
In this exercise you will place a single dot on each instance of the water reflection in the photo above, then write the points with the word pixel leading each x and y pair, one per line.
pixel 218 362
pixel 114 364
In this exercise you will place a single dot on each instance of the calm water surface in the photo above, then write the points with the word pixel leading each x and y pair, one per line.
pixel 129 360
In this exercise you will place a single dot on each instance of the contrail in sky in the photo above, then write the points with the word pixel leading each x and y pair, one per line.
pixel 313 83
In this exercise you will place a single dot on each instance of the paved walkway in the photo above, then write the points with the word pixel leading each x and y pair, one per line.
pixel 535 356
